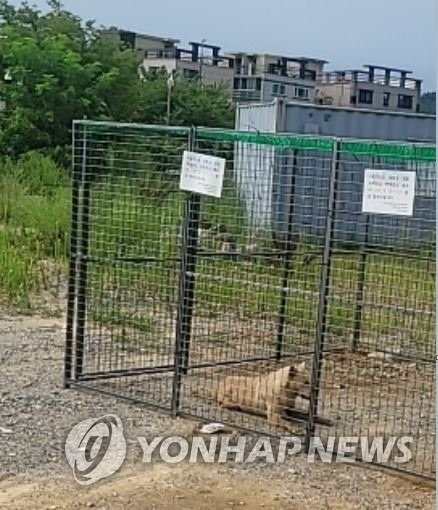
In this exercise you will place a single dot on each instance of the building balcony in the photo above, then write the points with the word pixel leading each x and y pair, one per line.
pixel 186 55
pixel 346 77
pixel 159 53
pixel 294 74
pixel 246 96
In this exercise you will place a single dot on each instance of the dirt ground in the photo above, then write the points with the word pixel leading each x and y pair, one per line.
pixel 36 414
pixel 154 491
pixel 198 487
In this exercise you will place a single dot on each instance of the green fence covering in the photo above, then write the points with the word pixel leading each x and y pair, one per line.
pixel 394 151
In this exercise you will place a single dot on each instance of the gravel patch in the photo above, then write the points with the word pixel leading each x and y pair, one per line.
pixel 36 414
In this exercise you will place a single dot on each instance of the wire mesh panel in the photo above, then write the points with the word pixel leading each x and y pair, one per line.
pixel 125 259
pixel 279 307
pixel 380 300
pixel 257 277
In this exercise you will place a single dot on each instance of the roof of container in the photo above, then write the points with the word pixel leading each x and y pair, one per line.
pixel 352 109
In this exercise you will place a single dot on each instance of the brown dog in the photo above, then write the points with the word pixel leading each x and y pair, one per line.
pixel 270 395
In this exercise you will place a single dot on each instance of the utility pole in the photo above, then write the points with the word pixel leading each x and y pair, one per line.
pixel 170 84
pixel 201 62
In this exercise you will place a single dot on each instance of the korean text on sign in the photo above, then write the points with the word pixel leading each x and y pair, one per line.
pixel 202 174
pixel 388 192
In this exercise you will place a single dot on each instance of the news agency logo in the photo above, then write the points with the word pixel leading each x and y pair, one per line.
pixel 96 448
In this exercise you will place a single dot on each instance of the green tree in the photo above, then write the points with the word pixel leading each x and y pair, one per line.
pixel 190 102
pixel 428 102
pixel 55 68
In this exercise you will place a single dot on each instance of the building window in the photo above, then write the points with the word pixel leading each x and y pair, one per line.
pixel 278 89
pixel 247 84
pixel 251 83
pixel 365 96
pixel 301 92
pixel 405 101
pixel 272 68
pixel 386 96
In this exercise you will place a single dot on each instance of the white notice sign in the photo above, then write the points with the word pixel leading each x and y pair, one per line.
pixel 202 174
pixel 388 192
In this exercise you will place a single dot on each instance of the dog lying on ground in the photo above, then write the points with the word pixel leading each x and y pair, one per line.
pixel 272 395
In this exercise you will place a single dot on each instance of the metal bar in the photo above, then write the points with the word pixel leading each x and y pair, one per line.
pixel 255 359
pixel 321 326
pixel 186 288
pixel 378 250
pixel 130 372
pixel 243 255
pixel 290 248
pixel 361 273
pixel 190 275
pixel 71 291
pixel 405 358
pixel 82 270
pixel 120 126
pixel 129 260
pixel 127 372
pixel 80 385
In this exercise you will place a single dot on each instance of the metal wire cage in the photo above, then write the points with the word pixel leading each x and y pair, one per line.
pixel 187 302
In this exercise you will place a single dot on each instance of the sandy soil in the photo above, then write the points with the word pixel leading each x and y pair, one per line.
pixel 195 488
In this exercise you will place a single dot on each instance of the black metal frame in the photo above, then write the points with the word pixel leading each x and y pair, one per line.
pixel 288 258
pixel 182 366
pixel 186 289
pixel 324 290
pixel 357 328
pixel 77 285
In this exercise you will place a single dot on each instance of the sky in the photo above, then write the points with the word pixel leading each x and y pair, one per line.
pixel 347 33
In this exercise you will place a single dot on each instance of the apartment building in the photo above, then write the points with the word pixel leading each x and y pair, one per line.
pixel 376 87
pixel 201 61
pixel 140 43
pixel 263 77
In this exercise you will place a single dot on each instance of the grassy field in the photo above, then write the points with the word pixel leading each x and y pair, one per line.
pixel 131 226
pixel 398 288
pixel 34 226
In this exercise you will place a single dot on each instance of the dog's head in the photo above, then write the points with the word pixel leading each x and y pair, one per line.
pixel 295 370
pixel 297 374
